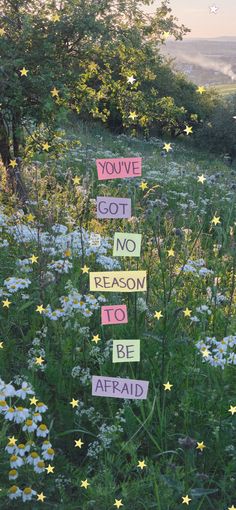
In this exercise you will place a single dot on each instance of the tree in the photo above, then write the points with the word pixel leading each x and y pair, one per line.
pixel 77 55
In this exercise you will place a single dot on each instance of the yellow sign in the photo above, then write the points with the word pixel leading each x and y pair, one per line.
pixel 118 281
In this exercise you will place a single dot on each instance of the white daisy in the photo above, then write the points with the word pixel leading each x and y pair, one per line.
pixel 10 413
pixel 24 391
pixel 14 492
pixel 16 461
pixel 21 449
pixel 39 467
pixel 46 444
pixel 28 493
pixel 13 474
pixel 21 414
pixel 41 407
pixel 48 454
pixel 37 417
pixel 29 426
pixel 33 458
pixel 3 406
pixel 42 430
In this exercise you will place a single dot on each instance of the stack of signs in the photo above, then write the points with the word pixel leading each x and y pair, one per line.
pixel 125 245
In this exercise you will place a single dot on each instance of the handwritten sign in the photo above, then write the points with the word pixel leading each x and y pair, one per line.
pixel 95 239
pixel 113 207
pixel 114 314
pixel 127 245
pixel 118 168
pixel 118 281
pixel 125 350
pixel 119 388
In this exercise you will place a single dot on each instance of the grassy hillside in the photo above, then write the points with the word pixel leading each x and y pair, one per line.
pixel 178 445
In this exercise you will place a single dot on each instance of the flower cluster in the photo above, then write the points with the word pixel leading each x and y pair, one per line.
pixel 72 303
pixel 197 267
pixel 14 284
pixel 30 452
pixel 220 352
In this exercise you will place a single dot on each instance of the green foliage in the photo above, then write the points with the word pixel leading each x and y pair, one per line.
pixel 219 134
pixel 164 429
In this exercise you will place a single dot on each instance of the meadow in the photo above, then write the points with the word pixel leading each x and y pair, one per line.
pixel 61 447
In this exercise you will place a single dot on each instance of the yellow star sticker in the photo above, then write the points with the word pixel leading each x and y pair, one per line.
pixel 186 499
pixel 78 443
pixel 201 90
pixel 46 146
pixel 2 31
pixel 187 312
pixel 96 339
pixel 39 360
pixel 165 35
pixel 33 401
pixel 118 503
pixel 56 17
pixel 55 92
pixel 40 309
pixel 1 345
pixel 24 71
pixel 167 147
pixel 76 179
pixel 201 446
pixel 50 469
pixel 171 253
pixel 13 163
pixel 205 353
pixel 143 185
pixel 74 403
pixel 12 441
pixel 85 269
pixel 84 484
pixel 167 386
pixel 215 220
pixel 133 115
pixel 232 409
pixel 30 217
pixel 34 259
pixel 41 497
pixel 201 179
pixel 6 303
pixel 158 315
pixel 188 130
pixel 232 508
pixel 141 464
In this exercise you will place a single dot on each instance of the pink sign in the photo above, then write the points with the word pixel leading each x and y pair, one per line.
pixel 118 168
pixel 113 207
pixel 119 388
pixel 114 314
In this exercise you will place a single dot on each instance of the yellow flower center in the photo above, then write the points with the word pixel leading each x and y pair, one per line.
pixel 13 489
pixel 41 464
pixel 50 451
pixel 43 427
pixel 29 423
pixel 13 458
pixel 20 408
pixel 13 472
pixel 27 490
pixel 3 403
pixel 21 446
pixel 34 455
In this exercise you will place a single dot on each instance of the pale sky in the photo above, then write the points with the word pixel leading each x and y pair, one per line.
pixel 195 14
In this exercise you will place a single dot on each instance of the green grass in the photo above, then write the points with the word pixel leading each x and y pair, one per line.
pixel 174 212
pixel 226 89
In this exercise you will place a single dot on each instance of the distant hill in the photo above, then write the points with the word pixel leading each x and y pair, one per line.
pixel 205 61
